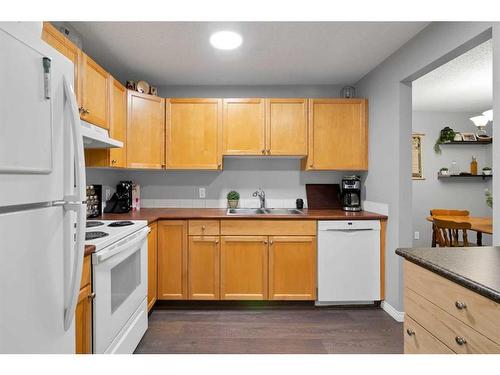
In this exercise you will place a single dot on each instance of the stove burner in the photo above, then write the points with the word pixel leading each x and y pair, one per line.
pixel 120 223
pixel 94 235
pixel 91 224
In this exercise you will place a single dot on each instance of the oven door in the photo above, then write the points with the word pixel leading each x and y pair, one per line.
pixel 120 285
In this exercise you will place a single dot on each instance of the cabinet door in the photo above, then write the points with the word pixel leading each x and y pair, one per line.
pixel 152 264
pixel 172 259
pixel 244 267
pixel 83 321
pixel 145 131
pixel 286 125
pixel 194 132
pixel 95 92
pixel 292 268
pixel 338 134
pixel 113 157
pixel 244 127
pixel 56 39
pixel 203 267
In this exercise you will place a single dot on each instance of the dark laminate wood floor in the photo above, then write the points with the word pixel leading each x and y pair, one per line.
pixel 263 330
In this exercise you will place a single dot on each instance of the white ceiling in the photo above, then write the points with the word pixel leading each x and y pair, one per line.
pixel 179 53
pixel 464 84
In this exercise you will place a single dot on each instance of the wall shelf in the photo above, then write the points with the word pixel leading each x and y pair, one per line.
pixel 465 176
pixel 486 142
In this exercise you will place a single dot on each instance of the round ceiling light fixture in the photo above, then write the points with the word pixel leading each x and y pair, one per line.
pixel 226 40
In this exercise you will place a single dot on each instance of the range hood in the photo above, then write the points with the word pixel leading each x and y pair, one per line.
pixel 96 137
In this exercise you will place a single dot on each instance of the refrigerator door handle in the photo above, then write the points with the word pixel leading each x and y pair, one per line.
pixel 79 156
pixel 75 203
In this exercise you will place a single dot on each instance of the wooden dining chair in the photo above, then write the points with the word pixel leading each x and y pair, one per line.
pixel 444 212
pixel 448 233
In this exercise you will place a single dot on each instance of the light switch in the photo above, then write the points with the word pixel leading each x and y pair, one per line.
pixel 417 236
pixel 202 192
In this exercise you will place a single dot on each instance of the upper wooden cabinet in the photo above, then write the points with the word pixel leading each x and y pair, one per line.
pixel 193 133
pixel 94 92
pixel 244 127
pixel 286 127
pixel 62 44
pixel 145 131
pixel 113 157
pixel 172 259
pixel 338 134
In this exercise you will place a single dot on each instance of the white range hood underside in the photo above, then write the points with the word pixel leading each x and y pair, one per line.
pixel 96 137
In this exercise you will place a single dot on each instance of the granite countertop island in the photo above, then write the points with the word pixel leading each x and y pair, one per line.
pixel 474 268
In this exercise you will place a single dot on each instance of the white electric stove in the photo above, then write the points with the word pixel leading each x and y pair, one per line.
pixel 120 283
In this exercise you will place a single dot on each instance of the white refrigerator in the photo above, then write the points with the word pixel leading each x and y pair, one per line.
pixel 42 194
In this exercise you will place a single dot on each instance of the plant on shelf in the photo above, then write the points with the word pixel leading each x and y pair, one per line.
pixel 232 199
pixel 487 171
pixel 489 198
pixel 446 135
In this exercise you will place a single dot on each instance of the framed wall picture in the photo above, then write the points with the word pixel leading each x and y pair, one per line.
pixel 416 153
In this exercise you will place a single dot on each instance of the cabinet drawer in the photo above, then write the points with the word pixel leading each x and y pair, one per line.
pixel 418 341
pixel 274 227
pixel 85 272
pixel 456 335
pixel 204 227
pixel 476 311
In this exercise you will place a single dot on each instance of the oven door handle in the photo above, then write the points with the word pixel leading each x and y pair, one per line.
pixel 122 245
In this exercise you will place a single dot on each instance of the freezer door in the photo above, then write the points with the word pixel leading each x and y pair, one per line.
pixel 33 261
pixel 31 119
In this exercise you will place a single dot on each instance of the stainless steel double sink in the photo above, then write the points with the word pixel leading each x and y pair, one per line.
pixel 263 211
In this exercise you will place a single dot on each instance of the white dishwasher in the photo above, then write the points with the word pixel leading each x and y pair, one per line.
pixel 348 262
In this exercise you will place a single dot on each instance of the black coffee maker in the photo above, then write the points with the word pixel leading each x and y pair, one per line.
pixel 121 201
pixel 351 193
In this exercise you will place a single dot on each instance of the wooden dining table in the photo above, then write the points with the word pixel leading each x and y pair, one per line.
pixel 478 224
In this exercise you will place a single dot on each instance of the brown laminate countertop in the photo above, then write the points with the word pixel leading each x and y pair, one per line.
pixel 89 249
pixel 154 214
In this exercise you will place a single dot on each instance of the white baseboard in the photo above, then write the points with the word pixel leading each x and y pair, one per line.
pixel 398 316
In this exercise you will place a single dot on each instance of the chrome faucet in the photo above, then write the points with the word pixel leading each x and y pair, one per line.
pixel 262 196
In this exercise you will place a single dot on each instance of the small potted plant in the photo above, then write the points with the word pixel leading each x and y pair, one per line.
pixel 489 198
pixel 444 172
pixel 446 135
pixel 487 171
pixel 232 199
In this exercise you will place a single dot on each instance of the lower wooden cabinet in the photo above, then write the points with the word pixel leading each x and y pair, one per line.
pixel 203 267
pixel 172 260
pixel 152 264
pixel 292 268
pixel 83 312
pixel 244 268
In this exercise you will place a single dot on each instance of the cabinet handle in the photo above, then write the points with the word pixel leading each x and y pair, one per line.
pixel 310 165
pixel 216 242
pixel 410 332
pixel 269 151
pixel 265 242
pixel 91 295
pixel 81 109
pixel 113 161
pixel 202 227
pixel 263 151
pixel 271 242
pixel 460 340
pixel 219 166
pixel 460 305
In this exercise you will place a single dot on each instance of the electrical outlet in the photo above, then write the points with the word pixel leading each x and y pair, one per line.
pixel 202 192
pixel 417 236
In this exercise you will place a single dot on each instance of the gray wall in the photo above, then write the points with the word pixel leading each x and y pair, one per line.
pixel 280 178
pixel 278 91
pixel 388 88
pixel 434 193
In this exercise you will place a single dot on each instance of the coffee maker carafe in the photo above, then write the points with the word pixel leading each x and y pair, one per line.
pixel 351 193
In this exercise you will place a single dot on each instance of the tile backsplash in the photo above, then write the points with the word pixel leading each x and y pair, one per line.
pixel 216 203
